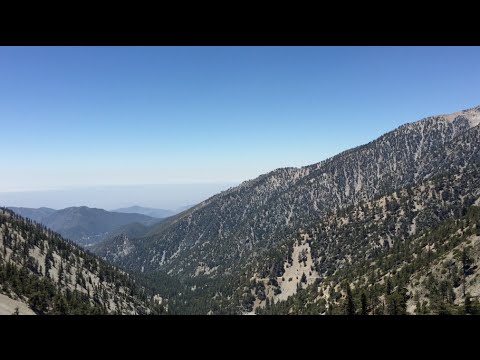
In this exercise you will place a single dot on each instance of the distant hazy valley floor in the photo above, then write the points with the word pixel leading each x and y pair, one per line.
pixel 390 227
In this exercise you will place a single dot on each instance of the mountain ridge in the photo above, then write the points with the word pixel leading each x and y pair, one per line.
pixel 82 224
pixel 411 152
pixel 156 213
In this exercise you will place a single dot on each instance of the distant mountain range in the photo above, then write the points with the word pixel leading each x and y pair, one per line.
pixel 156 213
pixel 85 226
pixel 34 214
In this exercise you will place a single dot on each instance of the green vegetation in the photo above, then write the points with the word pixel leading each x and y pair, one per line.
pixel 67 280
pixel 385 284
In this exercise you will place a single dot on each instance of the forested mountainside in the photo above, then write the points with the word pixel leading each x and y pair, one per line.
pixel 51 275
pixel 371 236
pixel 36 215
pixel 403 232
pixel 231 229
pixel 434 272
pixel 85 226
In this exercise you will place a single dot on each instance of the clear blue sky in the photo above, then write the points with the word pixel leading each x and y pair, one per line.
pixel 88 116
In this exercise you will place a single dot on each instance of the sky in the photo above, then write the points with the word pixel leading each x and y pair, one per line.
pixel 111 197
pixel 80 117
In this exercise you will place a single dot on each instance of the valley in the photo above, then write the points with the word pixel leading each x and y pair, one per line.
pixel 389 227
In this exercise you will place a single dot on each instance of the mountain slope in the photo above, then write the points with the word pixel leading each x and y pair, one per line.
pixel 435 272
pixel 333 248
pixel 84 225
pixel 53 276
pixel 155 213
pixel 353 237
pixel 34 214
pixel 121 236
pixel 232 228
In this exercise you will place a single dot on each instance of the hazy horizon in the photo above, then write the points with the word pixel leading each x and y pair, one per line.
pixel 97 116
pixel 160 196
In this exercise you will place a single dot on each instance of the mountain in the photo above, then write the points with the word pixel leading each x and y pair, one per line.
pixel 434 272
pixel 395 239
pixel 217 246
pixel 85 226
pixel 42 273
pixel 122 235
pixel 33 214
pixel 156 213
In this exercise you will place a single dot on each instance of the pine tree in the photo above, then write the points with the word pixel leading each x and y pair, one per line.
pixel 350 305
pixel 389 286
pixel 466 261
pixel 304 278
pixel 363 300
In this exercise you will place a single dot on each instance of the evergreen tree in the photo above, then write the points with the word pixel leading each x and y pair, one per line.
pixel 364 305
pixel 350 305
pixel 304 278
pixel 466 262
pixel 389 286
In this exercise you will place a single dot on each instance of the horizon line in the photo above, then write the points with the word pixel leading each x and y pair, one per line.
pixel 78 187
